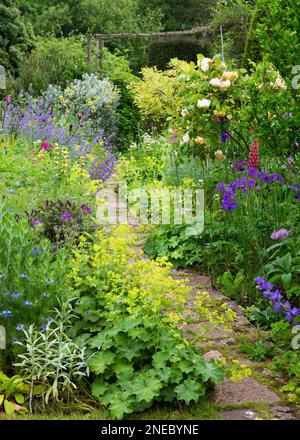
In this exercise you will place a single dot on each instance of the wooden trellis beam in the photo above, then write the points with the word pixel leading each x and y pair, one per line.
pixel 101 38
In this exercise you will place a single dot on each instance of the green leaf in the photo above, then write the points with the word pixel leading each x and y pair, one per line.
pixel 160 358
pixel 19 398
pixel 190 390
pixel 128 348
pixel 99 387
pixel 120 405
pixel 9 407
pixel 101 360
pixel 209 371
pixel 122 366
pixel 145 387
pixel 286 280
pixel 185 366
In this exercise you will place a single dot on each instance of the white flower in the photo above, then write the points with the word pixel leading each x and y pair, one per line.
pixel 184 112
pixel 230 75
pixel 186 138
pixel 215 82
pixel 225 84
pixel 279 84
pixel 203 103
pixel 204 64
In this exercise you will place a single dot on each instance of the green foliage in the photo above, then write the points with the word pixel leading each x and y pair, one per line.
pixel 157 94
pixel 235 18
pixel 257 351
pixel 181 14
pixel 53 61
pixel 262 318
pixel 233 287
pixel 16 39
pixel 130 325
pixel 12 390
pixel 129 122
pixel 276 34
pixel 184 48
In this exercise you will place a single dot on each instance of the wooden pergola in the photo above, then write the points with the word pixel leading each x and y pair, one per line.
pixel 99 39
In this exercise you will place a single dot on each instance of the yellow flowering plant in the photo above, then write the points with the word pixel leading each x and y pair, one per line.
pixel 132 312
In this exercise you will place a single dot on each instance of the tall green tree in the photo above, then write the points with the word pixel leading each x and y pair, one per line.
pixel 15 38
pixel 182 14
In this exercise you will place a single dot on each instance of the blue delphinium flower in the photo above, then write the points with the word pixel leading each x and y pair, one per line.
pixel 6 313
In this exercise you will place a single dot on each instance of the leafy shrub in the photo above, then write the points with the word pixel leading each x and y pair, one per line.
pixel 129 321
pixel 184 48
pixel 16 39
pixel 53 61
pixel 156 95
pixel 129 122
pixel 62 222
pixel 92 100
pixel 274 36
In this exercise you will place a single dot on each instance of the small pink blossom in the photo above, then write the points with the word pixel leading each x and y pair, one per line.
pixel 46 146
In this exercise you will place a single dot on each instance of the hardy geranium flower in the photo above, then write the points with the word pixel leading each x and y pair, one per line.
pixel 281 233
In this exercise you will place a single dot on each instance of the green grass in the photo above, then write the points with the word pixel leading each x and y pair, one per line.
pixel 200 411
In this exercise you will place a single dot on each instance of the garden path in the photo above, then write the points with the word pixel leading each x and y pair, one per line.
pixel 255 397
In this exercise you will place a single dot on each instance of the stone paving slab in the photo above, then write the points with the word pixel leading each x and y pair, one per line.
pixel 245 391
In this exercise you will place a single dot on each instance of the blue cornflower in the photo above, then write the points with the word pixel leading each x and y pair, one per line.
pixel 23 275
pixel 43 327
pixel 20 327
pixel 6 313
pixel 16 295
pixel 49 319
pixel 28 303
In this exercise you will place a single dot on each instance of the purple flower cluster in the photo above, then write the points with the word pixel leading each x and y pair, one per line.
pixel 295 187
pixel 281 233
pixel 280 305
pixel 66 217
pixel 39 122
pixel 244 184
